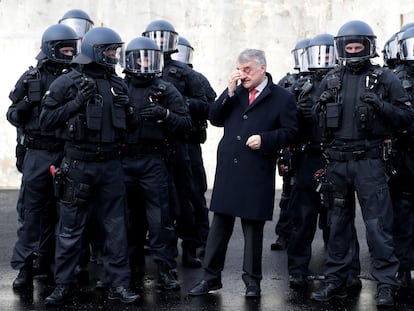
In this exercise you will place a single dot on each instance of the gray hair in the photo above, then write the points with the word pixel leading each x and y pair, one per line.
pixel 247 55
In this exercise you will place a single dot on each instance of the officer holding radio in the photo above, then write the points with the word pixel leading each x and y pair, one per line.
pixel 360 106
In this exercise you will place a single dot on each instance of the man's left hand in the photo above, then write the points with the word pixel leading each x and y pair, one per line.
pixel 254 142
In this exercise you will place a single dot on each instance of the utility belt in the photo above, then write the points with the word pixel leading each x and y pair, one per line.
pixel 343 156
pixel 42 144
pixel 313 147
pixel 92 155
pixel 137 151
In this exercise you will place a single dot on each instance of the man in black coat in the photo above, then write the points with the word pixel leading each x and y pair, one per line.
pixel 255 128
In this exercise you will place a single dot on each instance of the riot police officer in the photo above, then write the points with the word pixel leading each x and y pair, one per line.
pixel 182 186
pixel 305 206
pixel 36 204
pixel 163 115
pixel 360 106
pixel 305 203
pixel 285 161
pixel 402 192
pixel 197 136
pixel 90 110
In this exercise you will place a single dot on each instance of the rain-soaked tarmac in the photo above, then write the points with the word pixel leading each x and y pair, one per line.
pixel 276 294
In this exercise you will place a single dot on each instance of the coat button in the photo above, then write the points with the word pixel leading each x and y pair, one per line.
pixel 238 137
pixel 245 117
pixel 235 160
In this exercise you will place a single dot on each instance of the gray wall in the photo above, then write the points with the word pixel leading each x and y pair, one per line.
pixel 218 30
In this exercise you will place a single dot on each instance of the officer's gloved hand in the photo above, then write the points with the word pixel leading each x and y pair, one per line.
pixel 325 97
pixel 154 112
pixel 86 91
pixel 305 110
pixel 121 100
pixel 373 100
pixel 24 108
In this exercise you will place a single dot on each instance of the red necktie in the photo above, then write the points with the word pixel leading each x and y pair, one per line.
pixel 252 95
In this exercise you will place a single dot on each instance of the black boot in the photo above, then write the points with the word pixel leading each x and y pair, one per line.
pixel 24 279
pixel 190 258
pixel 167 279
pixel 385 297
pixel 404 278
pixel 123 294
pixel 59 295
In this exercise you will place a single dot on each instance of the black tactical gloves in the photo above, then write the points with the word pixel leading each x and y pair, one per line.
pixel 86 91
pixel 373 100
pixel 154 112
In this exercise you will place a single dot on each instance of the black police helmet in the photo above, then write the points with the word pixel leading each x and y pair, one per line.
pixel 99 45
pixel 78 20
pixel 56 37
pixel 185 51
pixel 164 34
pixel 143 57
pixel 321 52
pixel 355 31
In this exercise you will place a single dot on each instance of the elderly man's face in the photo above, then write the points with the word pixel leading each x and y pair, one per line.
pixel 251 73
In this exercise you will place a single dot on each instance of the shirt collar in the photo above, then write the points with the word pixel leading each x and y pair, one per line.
pixel 261 86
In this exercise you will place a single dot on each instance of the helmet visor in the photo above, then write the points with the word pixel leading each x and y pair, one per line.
pixel 63 51
pixel 296 58
pixel 108 54
pixel 166 40
pixel 392 50
pixel 143 62
pixel 321 56
pixel 346 51
pixel 407 49
pixel 80 26
pixel 184 55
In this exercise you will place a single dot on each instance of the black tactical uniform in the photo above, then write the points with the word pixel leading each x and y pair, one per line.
pixel 163 116
pixel 305 204
pixel 283 226
pixel 183 191
pixel 199 113
pixel 36 204
pixel 90 111
pixel 401 186
pixel 361 104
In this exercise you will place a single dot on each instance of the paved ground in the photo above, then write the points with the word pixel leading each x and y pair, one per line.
pixel 276 294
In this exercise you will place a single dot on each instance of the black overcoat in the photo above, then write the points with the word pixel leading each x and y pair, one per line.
pixel 244 184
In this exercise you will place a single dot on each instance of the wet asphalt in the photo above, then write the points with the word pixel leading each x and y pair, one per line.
pixel 276 294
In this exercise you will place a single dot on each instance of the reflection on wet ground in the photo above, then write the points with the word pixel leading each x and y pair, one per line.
pixel 276 295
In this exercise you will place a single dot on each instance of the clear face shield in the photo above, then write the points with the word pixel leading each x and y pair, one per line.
pixel 166 40
pixel 63 51
pixel 296 58
pixel 321 56
pixel 108 54
pixel 184 55
pixel 80 26
pixel 407 49
pixel 143 62
pixel 392 49
pixel 303 61
pixel 366 51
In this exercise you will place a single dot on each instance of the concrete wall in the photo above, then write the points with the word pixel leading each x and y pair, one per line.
pixel 218 30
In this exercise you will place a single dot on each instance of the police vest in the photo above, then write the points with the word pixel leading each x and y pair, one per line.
pixel 348 117
pixel 101 120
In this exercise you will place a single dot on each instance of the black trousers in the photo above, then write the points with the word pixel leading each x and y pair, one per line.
pixel 36 208
pixel 217 242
